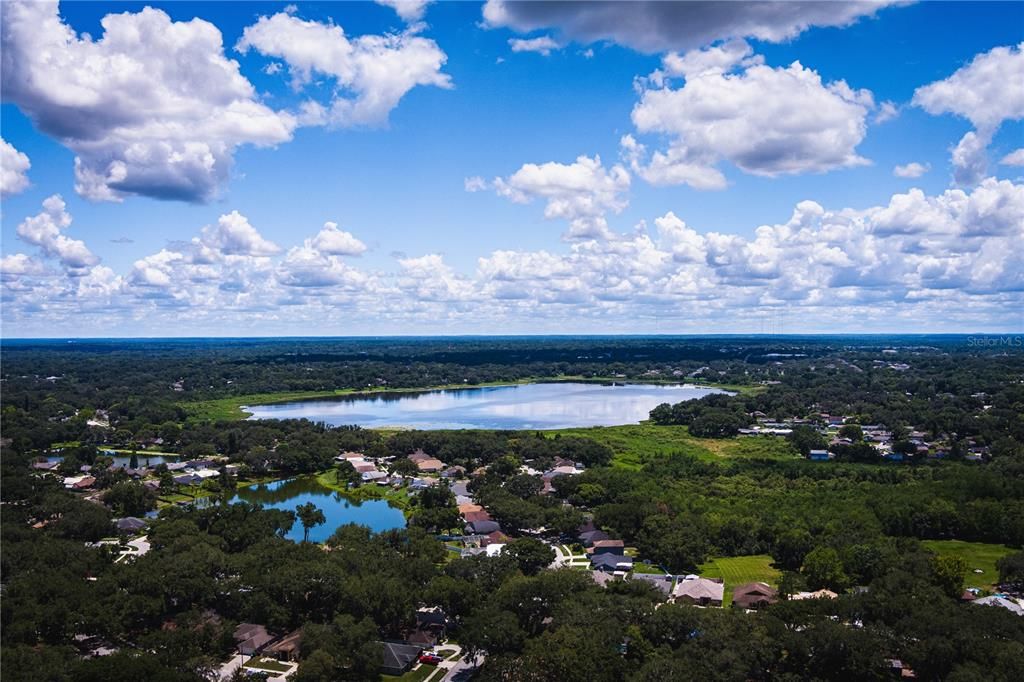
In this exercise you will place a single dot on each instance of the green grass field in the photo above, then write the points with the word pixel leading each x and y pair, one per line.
pixel 739 570
pixel 268 664
pixel 634 444
pixel 979 555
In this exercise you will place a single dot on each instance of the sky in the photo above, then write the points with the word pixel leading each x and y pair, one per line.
pixel 411 167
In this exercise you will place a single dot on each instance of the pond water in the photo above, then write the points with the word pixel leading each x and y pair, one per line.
pixel 288 494
pixel 525 406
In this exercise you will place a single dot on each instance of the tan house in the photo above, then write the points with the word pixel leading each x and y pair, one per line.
pixel 699 591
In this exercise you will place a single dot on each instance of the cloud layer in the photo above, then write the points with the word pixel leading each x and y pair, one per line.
pixel 951 260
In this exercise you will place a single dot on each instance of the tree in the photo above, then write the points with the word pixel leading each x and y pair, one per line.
pixel 530 554
pixel 133 461
pixel 345 473
pixel 404 467
pixel 309 516
pixel 949 571
pixel 823 568
pixel 852 431
pixel 1011 568
pixel 129 498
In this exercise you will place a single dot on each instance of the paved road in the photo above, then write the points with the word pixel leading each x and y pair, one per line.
pixel 462 669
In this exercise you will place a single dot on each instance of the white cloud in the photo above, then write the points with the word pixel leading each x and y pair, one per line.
pixel 410 11
pixel 911 170
pixel 654 26
pixel 152 108
pixel 543 45
pixel 581 193
pixel 19 264
pixel 335 242
pixel 13 168
pixel 732 107
pixel 234 236
pixel 887 111
pixel 947 261
pixel 475 184
pixel 371 72
pixel 986 92
pixel 1014 158
pixel 45 230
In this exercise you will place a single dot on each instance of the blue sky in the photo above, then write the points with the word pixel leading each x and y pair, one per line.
pixel 422 255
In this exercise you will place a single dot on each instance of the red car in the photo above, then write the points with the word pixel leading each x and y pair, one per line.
pixel 432 659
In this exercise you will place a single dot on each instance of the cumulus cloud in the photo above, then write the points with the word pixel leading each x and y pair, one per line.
pixel 410 11
pixel 950 260
pixel 371 72
pixel 986 92
pixel 581 193
pixel 234 236
pixel 46 230
pixel 652 26
pixel 911 170
pixel 13 169
pixel 153 107
pixel 733 107
pixel 336 242
pixel 543 45
pixel 1014 158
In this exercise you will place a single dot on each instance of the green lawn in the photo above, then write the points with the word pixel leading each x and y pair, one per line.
pixel 418 675
pixel 647 568
pixel 269 664
pixel 979 555
pixel 634 444
pixel 739 570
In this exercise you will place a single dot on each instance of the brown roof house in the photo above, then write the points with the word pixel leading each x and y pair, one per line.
pixel 430 465
pixel 252 638
pixel 698 591
pixel 754 595
pixel 286 648
pixel 607 547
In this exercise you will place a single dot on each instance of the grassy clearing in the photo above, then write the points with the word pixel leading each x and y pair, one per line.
pixel 739 570
pixel 369 491
pixel 635 444
pixel 978 555
pixel 417 675
pixel 269 664
pixel 647 568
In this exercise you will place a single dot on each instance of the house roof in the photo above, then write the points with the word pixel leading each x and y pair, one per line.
pixel 484 527
pixel 752 593
pixel 699 588
pixel 398 656
pixel 610 560
pixel 469 507
pixel 476 516
pixel 287 644
pixel 131 523
pixel 662 582
pixel 594 536
pixel 1005 603
pixel 819 594
pixel 598 544
pixel 430 464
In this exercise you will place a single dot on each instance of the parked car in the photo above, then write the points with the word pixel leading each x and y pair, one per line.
pixel 432 659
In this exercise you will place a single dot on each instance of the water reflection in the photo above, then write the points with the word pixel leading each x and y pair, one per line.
pixel 289 494
pixel 528 406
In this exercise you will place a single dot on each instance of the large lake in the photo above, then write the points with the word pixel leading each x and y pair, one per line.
pixel 524 406
pixel 288 494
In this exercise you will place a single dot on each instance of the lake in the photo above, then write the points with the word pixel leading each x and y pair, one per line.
pixel 523 406
pixel 290 493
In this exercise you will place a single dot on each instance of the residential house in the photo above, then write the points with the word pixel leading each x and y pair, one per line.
pixel 588 538
pixel 607 547
pixel 495 538
pixel 754 595
pixel 818 594
pixel 251 638
pixel 397 657
pixel 482 527
pixel 287 648
pixel 611 562
pixel 430 465
pixel 699 591
pixel 467 507
pixel 79 482
pixel 373 476
pixel 1002 602
pixel 454 472
pixel 131 524
pixel 472 516
pixel 663 583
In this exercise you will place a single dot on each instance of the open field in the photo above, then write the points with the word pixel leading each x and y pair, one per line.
pixel 633 444
pixel 979 555
pixel 230 408
pixel 739 570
